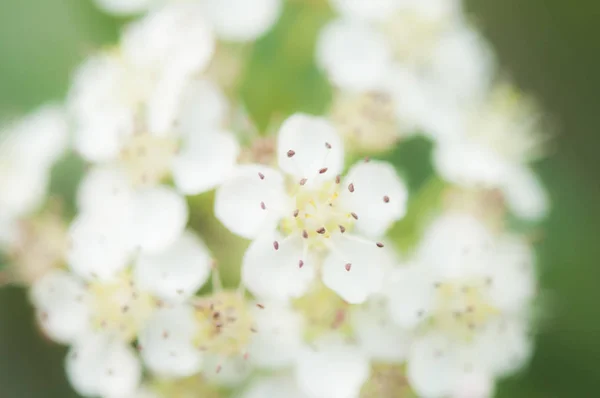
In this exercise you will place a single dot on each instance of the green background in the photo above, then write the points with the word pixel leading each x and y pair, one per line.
pixel 550 48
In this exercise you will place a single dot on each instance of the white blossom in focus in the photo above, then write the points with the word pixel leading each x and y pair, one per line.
pixel 305 212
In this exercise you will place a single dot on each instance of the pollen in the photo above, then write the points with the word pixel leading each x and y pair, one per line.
pixel 225 324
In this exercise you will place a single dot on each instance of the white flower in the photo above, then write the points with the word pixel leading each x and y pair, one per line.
pixel 373 10
pixel 241 20
pixel 100 366
pixel 28 149
pixel 469 292
pixel 312 211
pixel 331 370
pixel 126 7
pixel 491 146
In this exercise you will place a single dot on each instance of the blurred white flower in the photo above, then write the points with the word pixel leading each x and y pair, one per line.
pixel 28 149
pixel 273 387
pixel 491 145
pixel 313 212
pixel 126 7
pixel 469 293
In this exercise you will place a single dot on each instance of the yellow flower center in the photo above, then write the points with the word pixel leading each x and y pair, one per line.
pixel 147 158
pixel 387 380
pixel 226 325
pixel 119 308
pixel 191 387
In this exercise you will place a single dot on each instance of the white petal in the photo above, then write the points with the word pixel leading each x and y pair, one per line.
pixel 204 105
pixel 61 302
pixel 370 10
pixel 273 387
pixel 177 272
pixel 99 366
pixel 512 273
pixel 525 195
pixel 159 218
pixel 474 385
pixel 332 371
pixel 365 275
pixel 142 392
pixel 354 56
pixel 238 201
pixel 431 367
pixel 174 36
pixel 279 335
pixel 413 97
pixel 316 145
pixel 378 337
pixel 227 371
pixel 455 245
pixel 275 273
pixel 206 160
pixel 105 192
pixel 379 197
pixel 163 104
pixel 98 248
pixel 167 342
pixel 23 188
pixel 469 164
pixel 242 20
pixel 411 293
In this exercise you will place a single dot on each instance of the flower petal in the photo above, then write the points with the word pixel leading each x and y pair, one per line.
pixel 525 195
pixel 242 20
pixel 354 56
pixel 273 387
pixel 177 272
pixel 167 342
pixel 99 248
pixel 123 8
pixel 333 370
pixel 206 160
pixel 372 10
pixel 379 197
pixel 354 270
pixel 307 145
pixel 279 335
pixel 159 218
pixel 204 106
pixel 61 302
pixel 238 202
pixel 275 273
pixel 105 192
pixel 432 367
pixel 99 366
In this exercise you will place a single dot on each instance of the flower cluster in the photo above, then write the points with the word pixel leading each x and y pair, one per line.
pixel 331 301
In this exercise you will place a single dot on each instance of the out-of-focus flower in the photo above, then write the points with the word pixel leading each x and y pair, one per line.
pixel 312 211
pixel 491 146
pixel 469 293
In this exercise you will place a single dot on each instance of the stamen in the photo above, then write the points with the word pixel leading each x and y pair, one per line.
pixel 261 175
pixel 276 245
pixel 305 234
pixel 296 212
pixel 386 199
pixel 338 179
pixel 351 188
pixel 348 266
pixel 327 145
pixel 354 215
pixel 303 181
pixel 379 244
pixel 263 206
pixel 291 153
pixel 342 228
pixel 300 264
pixel 262 307
pixel 321 230
pixel 323 170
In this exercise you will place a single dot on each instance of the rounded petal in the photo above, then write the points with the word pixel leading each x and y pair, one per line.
pixel 379 197
pixel 163 104
pixel 159 218
pixel 177 272
pixel 123 8
pixel 167 342
pixel 174 37
pixel 227 371
pixel 469 164
pixel 242 20
pixel 512 275
pixel 525 195
pixel 455 245
pixel 278 338
pixel 378 337
pixel 272 270
pixel 99 366
pixel 204 105
pixel 238 201
pixel 105 192
pixel 334 371
pixel 354 56
pixel 206 161
pixel 432 367
pixel 354 270
pixel 411 294
pixel 474 384
pixel 98 248
pixel 23 190
pixel 61 303
pixel 307 145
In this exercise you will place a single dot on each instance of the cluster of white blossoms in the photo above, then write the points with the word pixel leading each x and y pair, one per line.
pixel 329 304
